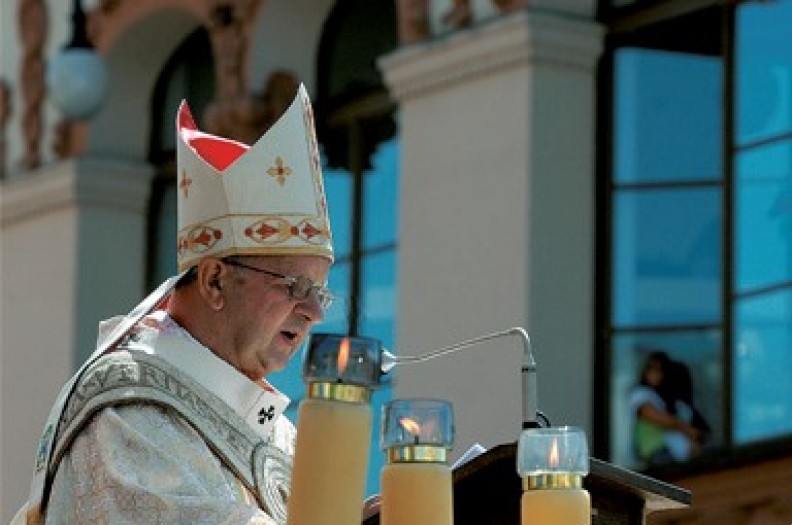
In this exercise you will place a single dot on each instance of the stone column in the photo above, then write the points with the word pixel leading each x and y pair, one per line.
pixel 497 215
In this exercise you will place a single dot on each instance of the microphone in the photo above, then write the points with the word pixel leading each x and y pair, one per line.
pixel 530 406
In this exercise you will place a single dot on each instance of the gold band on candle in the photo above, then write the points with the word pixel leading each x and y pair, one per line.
pixel 556 480
pixel 417 454
pixel 339 392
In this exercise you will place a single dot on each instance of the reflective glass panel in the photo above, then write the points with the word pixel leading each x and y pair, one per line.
pixel 381 186
pixel 763 366
pixel 764 70
pixel 667 110
pixel 338 190
pixel 378 310
pixel 666 259
pixel 763 216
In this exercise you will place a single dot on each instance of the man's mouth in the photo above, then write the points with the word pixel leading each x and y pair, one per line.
pixel 291 336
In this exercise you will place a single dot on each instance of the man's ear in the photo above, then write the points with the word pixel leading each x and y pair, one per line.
pixel 211 273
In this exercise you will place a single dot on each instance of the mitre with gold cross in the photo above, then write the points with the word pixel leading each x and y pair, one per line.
pixel 266 199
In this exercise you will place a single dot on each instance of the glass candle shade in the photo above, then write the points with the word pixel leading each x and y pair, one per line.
pixel 552 463
pixel 416 481
pixel 333 430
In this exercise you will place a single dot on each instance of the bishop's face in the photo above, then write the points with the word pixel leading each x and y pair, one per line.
pixel 266 324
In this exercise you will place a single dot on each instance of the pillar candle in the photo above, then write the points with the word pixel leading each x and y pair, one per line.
pixel 330 462
pixel 333 431
pixel 418 493
pixel 552 463
pixel 416 481
pixel 555 506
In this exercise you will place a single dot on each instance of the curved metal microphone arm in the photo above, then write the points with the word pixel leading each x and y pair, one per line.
pixel 530 404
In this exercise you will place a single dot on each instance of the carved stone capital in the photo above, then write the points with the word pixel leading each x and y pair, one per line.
pixel 5 114
pixel 520 39
pixel 33 31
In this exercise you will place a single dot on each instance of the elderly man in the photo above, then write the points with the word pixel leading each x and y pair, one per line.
pixel 172 419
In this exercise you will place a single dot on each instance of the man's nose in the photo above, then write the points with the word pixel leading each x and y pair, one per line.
pixel 310 308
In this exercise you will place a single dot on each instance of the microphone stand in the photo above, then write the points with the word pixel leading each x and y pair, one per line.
pixel 531 413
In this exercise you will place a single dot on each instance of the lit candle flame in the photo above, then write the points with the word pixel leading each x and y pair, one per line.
pixel 343 356
pixel 410 426
pixel 553 459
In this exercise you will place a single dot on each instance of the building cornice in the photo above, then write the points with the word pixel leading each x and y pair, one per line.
pixel 79 183
pixel 524 37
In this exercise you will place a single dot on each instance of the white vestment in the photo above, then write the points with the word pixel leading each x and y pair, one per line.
pixel 145 463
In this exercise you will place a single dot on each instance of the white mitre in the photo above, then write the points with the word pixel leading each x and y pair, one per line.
pixel 266 199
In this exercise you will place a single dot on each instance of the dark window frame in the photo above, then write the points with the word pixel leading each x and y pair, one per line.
pixel 624 25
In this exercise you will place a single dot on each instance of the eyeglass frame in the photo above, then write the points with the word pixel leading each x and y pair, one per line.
pixel 323 295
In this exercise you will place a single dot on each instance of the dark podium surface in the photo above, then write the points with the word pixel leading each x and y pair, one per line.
pixel 487 491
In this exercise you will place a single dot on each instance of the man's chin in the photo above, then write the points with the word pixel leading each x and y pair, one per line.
pixel 276 364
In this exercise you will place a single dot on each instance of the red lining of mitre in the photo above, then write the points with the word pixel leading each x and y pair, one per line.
pixel 217 151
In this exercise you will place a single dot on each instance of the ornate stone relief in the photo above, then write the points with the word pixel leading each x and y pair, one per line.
pixel 5 113
pixel 33 32
pixel 234 113
pixel 246 118
pixel 413 20
pixel 460 15
pixel 415 26
pixel 505 6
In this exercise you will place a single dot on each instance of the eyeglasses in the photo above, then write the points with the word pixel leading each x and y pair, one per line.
pixel 299 287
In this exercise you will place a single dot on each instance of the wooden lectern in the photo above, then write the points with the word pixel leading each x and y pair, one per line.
pixel 487 491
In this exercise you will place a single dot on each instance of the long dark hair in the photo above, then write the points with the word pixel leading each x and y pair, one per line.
pixel 666 387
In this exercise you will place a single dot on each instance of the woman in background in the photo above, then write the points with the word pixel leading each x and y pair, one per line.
pixel 661 405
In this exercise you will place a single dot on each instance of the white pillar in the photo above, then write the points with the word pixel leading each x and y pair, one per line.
pixel 497 220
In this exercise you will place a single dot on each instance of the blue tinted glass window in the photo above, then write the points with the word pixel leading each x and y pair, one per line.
pixel 666 259
pixel 289 381
pixel 337 316
pixel 379 296
pixel 338 189
pixel 381 196
pixel 764 71
pixel 668 116
pixel 763 363
pixel 763 215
